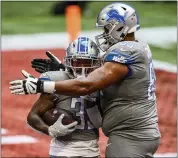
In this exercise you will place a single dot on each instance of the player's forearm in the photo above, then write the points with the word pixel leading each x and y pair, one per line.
pixel 37 123
pixel 78 87
pixel 74 87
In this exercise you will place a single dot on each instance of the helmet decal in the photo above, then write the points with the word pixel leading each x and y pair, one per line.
pixel 82 46
pixel 114 14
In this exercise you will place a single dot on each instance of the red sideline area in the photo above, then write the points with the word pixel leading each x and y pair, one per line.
pixel 16 108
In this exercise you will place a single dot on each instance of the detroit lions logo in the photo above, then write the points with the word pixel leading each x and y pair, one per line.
pixel 82 45
pixel 114 14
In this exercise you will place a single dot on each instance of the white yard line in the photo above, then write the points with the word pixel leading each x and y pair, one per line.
pixel 3 131
pixel 159 36
pixel 159 65
pixel 17 139
pixel 166 155
pixel 156 36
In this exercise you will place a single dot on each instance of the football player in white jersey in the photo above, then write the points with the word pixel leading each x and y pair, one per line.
pixel 127 81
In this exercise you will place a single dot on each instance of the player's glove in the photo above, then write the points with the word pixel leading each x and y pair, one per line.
pixel 31 85
pixel 58 129
pixel 44 65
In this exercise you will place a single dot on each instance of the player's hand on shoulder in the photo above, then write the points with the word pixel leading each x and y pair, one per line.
pixel 44 65
pixel 58 129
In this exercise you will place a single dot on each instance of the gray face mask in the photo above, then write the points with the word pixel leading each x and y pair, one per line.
pixel 88 66
pixel 112 34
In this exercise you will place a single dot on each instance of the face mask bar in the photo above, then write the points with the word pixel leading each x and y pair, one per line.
pixel 105 40
pixel 78 70
pixel 99 26
pixel 111 36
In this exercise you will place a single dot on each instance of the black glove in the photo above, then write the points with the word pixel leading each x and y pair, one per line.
pixel 44 65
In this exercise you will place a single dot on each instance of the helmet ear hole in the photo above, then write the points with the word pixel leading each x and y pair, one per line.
pixel 74 45
pixel 123 8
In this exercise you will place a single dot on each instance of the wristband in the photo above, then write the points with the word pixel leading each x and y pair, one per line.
pixel 48 87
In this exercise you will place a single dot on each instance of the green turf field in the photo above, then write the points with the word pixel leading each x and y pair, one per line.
pixel 165 54
pixel 35 17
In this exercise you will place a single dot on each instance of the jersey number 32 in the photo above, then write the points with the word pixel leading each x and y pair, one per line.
pixel 77 104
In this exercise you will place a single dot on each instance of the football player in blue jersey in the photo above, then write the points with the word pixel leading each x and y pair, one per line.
pixel 126 81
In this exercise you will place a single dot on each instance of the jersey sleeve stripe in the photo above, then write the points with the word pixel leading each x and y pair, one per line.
pixel 116 56
pixel 45 79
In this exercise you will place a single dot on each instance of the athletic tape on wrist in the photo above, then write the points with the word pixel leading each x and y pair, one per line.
pixel 49 86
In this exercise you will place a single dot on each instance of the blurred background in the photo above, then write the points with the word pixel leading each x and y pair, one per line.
pixel 31 28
